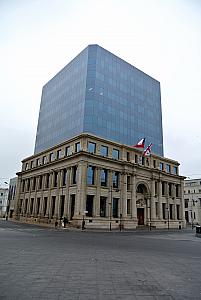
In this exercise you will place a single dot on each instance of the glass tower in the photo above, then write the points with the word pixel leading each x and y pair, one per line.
pixel 99 93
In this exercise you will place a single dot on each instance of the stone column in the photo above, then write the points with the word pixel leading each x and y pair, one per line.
pixel 160 210
pixel 67 196
pixel 80 203
pixel 133 198
pixel 152 203
pixel 98 190
pixel 124 196
pixel 109 198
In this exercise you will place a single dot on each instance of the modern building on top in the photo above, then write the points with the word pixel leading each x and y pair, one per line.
pixel 99 93
pixel 84 166
pixel 192 199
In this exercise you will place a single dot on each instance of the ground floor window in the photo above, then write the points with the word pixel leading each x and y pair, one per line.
pixel 115 206
pixel 103 206
pixel 89 205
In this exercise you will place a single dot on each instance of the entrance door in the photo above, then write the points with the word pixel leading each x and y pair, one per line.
pixel 140 216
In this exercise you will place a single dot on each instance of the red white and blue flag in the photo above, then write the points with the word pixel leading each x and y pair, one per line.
pixel 140 144
pixel 147 151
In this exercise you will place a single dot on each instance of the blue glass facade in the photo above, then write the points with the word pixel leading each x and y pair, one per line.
pixel 101 94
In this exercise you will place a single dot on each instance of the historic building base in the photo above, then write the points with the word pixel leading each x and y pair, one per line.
pixel 95 183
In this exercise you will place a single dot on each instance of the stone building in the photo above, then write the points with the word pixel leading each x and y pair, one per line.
pixel 192 199
pixel 3 201
pixel 109 184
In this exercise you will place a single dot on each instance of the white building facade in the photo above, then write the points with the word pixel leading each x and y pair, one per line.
pixel 3 201
pixel 192 199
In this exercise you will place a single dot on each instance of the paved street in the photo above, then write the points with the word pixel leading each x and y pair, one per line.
pixel 43 263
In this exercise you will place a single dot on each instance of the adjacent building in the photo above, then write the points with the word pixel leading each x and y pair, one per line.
pixel 99 93
pixel 3 201
pixel 192 199
pixel 109 184
pixel 11 197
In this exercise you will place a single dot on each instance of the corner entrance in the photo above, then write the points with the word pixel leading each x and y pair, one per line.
pixel 140 216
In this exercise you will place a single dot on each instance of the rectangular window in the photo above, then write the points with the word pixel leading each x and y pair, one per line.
pixel 37 206
pixel 77 147
pixel 23 185
pixel 45 206
pixel 64 177
pixel 67 151
pixel 40 182
pixel 163 188
pixel 38 162
pixel 128 206
pixel 44 160
pixel 115 154
pixel 28 184
pixel 32 164
pixel 103 206
pixel 115 179
pixel 164 207
pixel 177 190
pixel 51 157
pixel 128 183
pixel 156 188
pixel 31 206
pixel 178 212
pixel 55 178
pixel 186 203
pixel 154 163
pixel 104 150
pixel 91 147
pixel 74 177
pixel 34 183
pixel 128 156
pixel 136 159
pixel 90 175
pixel 115 204
pixel 170 189
pixel 167 168
pixel 47 180
pixel 53 205
pixel 26 166
pixel 161 166
pixel 175 170
pixel 156 206
pixel 171 211
pixel 89 205
pixel 103 176
pixel 59 154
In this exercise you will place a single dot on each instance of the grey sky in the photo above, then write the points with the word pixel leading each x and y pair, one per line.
pixel 160 37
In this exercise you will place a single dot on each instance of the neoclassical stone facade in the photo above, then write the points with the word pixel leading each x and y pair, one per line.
pixel 108 184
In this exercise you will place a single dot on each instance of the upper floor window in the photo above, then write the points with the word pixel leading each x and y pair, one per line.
pixel 167 168
pixel 77 147
pixel 104 173
pixel 58 153
pixel 26 166
pixel 68 151
pixel 161 166
pixel 128 183
pixel 91 147
pixel 44 160
pixel 51 157
pixel 154 163
pixel 38 162
pixel 74 175
pixel 32 164
pixel 128 156
pixel 115 179
pixel 104 150
pixel 90 174
pixel 115 154
pixel 175 170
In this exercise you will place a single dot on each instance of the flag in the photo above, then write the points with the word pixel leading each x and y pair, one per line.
pixel 147 151
pixel 140 144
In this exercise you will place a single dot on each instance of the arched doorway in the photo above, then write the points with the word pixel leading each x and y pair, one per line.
pixel 141 204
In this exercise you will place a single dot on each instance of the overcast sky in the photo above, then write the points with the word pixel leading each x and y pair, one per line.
pixel 160 37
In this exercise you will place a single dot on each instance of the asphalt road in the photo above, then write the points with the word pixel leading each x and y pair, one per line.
pixel 44 263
